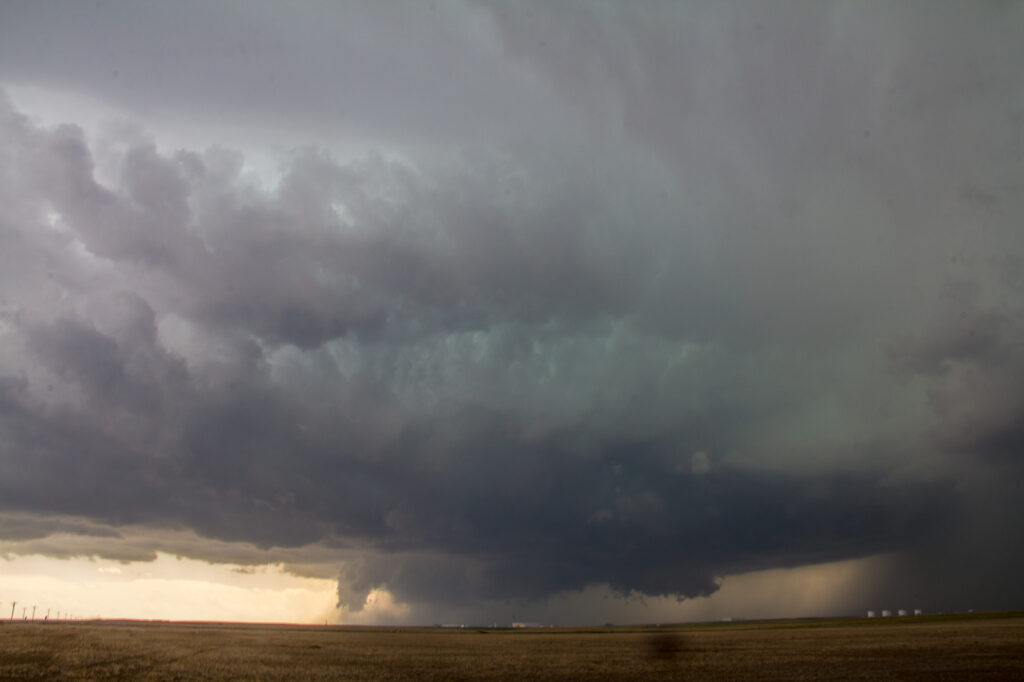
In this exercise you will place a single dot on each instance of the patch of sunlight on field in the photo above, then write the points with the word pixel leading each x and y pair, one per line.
pixel 168 588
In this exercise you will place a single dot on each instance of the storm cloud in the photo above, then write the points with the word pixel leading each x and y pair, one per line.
pixel 535 298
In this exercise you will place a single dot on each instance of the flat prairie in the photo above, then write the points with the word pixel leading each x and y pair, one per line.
pixel 965 647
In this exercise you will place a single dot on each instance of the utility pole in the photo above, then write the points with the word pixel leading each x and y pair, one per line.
pixel 23 608
pixel 33 612
pixel 13 604
pixel 47 615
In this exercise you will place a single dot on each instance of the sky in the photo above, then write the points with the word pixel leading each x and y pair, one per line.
pixel 473 312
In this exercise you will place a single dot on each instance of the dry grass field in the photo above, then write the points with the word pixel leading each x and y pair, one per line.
pixel 977 647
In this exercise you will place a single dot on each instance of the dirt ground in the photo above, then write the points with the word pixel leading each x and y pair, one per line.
pixel 979 647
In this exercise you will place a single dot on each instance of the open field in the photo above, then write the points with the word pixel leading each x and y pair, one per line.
pixel 978 646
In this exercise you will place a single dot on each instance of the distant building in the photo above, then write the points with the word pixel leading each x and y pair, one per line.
pixel 871 614
pixel 527 625
pixel 901 612
pixel 886 613
pixel 918 612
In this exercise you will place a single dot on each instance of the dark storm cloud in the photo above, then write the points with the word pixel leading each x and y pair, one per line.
pixel 633 527
pixel 973 360
pixel 31 528
pixel 320 66
pixel 635 296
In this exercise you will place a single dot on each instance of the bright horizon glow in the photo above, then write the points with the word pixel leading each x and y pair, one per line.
pixel 169 588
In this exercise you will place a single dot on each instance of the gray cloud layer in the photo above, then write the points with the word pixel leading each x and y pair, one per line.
pixel 636 296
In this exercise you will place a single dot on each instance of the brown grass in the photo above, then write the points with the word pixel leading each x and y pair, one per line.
pixel 982 647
